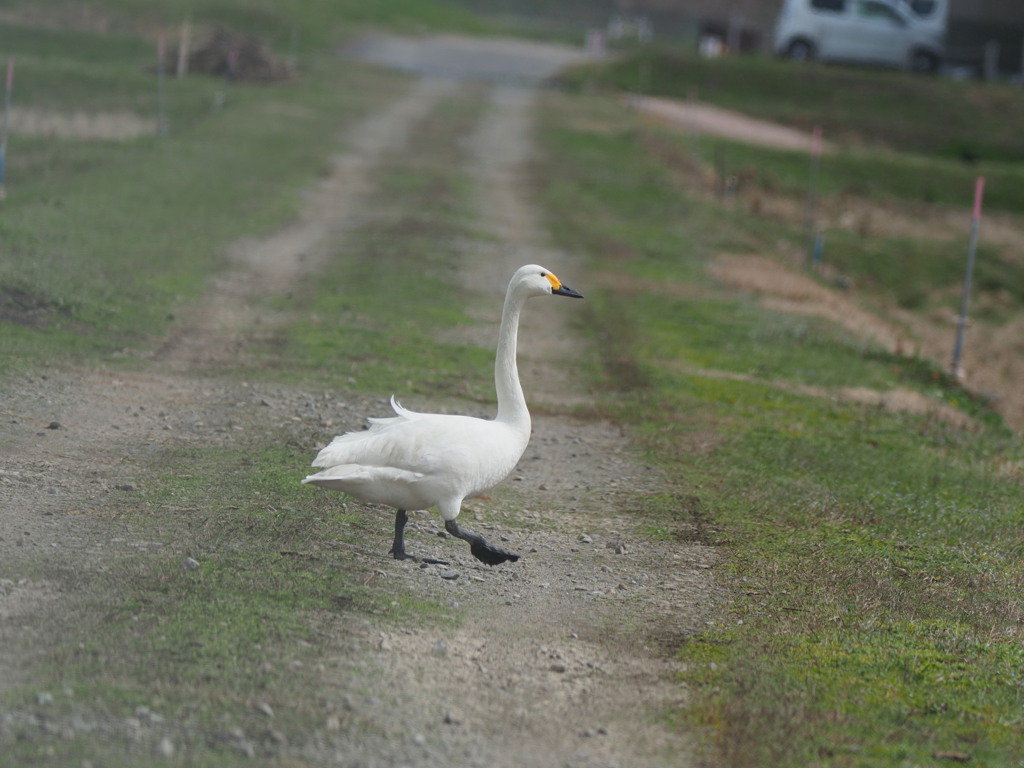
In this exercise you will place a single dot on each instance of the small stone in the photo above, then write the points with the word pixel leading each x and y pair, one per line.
pixel 44 698
pixel 450 575
pixel 263 708
pixel 53 425
pixel 125 486
pixel 245 748
pixel 453 717
pixel 558 667
pixel 584 539
pixel 440 649
pixel 165 748
pixel 190 564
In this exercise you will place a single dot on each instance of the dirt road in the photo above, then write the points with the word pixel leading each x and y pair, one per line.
pixel 560 659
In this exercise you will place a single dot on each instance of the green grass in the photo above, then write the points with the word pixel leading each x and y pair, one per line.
pixel 108 240
pixel 372 322
pixel 919 115
pixel 903 137
pixel 874 556
pixel 298 25
pixel 104 241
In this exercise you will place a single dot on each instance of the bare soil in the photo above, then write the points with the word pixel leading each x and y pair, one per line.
pixel 81 126
pixel 564 658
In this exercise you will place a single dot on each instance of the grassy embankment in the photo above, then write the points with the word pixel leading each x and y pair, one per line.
pixel 875 557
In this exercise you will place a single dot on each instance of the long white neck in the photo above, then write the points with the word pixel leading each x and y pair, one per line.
pixel 511 402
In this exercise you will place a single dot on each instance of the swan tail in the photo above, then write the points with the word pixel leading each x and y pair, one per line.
pixel 351 477
pixel 403 413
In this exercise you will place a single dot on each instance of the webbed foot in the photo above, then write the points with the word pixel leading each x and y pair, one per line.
pixel 479 546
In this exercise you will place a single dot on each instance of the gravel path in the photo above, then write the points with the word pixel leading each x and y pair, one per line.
pixel 561 659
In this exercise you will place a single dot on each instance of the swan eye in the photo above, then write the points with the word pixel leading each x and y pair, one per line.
pixel 555 282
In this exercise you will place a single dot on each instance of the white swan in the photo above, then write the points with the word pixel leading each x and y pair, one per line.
pixel 420 460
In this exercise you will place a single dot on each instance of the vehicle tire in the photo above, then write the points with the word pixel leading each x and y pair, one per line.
pixel 924 62
pixel 800 50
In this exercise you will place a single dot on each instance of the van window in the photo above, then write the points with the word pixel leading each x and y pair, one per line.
pixel 836 6
pixel 873 9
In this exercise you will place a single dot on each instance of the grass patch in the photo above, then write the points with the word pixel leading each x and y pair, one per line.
pixel 119 235
pixel 301 26
pixel 375 320
pixel 875 556
pixel 904 137
pixel 936 116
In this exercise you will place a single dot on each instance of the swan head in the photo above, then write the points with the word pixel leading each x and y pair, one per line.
pixel 535 280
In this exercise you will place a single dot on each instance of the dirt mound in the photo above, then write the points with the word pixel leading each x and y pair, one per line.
pixel 222 52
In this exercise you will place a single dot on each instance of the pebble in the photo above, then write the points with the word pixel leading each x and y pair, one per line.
pixel 53 425
pixel 165 748
pixel 190 564
pixel 450 575
pixel 586 539
pixel 245 748
pixel 453 717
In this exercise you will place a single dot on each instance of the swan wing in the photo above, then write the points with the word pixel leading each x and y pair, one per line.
pixel 445 457
pixel 341 476
pixel 383 485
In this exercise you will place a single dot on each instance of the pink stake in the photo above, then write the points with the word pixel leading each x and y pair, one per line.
pixel 979 188
pixel 816 141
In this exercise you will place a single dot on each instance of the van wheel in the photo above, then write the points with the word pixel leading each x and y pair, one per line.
pixel 800 50
pixel 924 62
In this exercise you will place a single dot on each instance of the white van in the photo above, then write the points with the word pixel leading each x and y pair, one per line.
pixel 898 33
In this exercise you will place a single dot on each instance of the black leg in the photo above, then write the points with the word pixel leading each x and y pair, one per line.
pixel 398 548
pixel 482 551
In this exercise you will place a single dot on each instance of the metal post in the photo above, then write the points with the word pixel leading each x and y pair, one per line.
pixel 8 87
pixel 961 320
